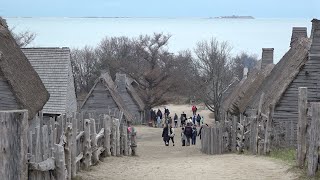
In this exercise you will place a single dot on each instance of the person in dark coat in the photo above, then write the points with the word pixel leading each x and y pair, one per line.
pixel 188 133
pixel 175 118
pixel 165 135
pixel 198 119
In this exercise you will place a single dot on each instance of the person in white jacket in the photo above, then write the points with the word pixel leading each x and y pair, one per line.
pixel 171 134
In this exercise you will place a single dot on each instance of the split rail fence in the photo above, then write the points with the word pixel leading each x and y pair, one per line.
pixel 58 148
pixel 258 134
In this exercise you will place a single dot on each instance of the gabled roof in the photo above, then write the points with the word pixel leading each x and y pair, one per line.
pixel 282 75
pixel 23 80
pixel 53 66
pixel 107 81
pixel 245 88
pixel 132 91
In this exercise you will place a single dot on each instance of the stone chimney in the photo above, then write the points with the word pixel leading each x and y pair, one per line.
pixel 267 57
pixel 245 73
pixel 121 82
pixel 315 37
pixel 297 33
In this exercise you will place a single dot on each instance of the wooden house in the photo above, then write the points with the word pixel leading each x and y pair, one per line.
pixel 104 97
pixel 20 85
pixel 54 68
pixel 130 97
pixel 299 67
pixel 249 84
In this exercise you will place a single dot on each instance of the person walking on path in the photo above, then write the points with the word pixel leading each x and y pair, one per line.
pixel 171 134
pixel 188 133
pixel 175 118
pixel 194 109
pixel 202 120
pixel 183 119
pixel 165 135
pixel 166 112
pixel 158 122
pixel 183 137
pixel 198 119
pixel 194 117
pixel 194 135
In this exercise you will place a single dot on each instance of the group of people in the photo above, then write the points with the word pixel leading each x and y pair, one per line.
pixel 188 126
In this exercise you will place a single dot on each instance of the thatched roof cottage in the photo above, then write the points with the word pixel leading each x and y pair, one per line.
pixel 130 97
pixel 103 97
pixel 299 67
pixel 54 68
pixel 20 85
pixel 250 83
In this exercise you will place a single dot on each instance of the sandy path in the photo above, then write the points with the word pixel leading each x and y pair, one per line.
pixel 156 161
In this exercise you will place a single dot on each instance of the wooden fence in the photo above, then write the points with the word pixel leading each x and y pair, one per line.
pixel 253 133
pixel 48 148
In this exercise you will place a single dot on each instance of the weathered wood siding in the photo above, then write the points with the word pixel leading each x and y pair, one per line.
pixel 286 111
pixel 7 99
pixel 71 93
pixel 100 100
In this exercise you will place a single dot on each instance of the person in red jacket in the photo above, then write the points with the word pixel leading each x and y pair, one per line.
pixel 194 109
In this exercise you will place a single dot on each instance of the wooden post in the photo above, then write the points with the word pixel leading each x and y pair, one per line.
pixel 87 144
pixel 60 170
pixel 106 143
pixel 74 145
pixel 68 148
pixel 314 140
pixel 118 137
pixel 13 144
pixel 94 145
pixel 125 139
pixel 302 127
pixel 133 142
pixel 267 137
pixel 113 137
pixel 234 134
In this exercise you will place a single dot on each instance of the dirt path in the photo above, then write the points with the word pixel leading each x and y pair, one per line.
pixel 156 161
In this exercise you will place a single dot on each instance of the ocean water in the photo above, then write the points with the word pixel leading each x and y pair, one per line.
pixel 244 35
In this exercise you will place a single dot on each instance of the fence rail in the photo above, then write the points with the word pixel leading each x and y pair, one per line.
pixel 48 148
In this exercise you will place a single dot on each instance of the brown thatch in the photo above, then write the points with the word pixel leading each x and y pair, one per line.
pixel 23 80
pixel 107 81
pixel 280 77
pixel 245 88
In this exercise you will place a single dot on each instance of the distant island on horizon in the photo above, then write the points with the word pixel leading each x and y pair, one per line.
pixel 234 17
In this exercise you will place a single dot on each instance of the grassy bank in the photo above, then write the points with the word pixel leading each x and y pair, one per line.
pixel 288 156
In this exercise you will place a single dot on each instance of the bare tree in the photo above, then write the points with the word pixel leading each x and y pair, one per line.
pixel 243 60
pixel 23 38
pixel 85 68
pixel 214 63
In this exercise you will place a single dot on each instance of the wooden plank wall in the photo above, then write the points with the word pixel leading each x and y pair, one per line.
pixel 7 98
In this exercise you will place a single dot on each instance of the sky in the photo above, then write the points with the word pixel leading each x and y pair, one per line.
pixel 163 8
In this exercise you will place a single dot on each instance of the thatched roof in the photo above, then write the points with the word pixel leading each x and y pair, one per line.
pixel 280 77
pixel 107 81
pixel 134 94
pixel 54 68
pixel 245 88
pixel 23 80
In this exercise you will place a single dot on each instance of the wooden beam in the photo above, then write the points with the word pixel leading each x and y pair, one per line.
pixel 100 134
pixel 81 133
pixel 46 165
pixel 267 136
pixel 79 157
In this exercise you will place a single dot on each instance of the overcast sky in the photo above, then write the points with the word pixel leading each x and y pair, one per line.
pixel 161 8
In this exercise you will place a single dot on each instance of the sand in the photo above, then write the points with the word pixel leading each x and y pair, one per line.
pixel 156 161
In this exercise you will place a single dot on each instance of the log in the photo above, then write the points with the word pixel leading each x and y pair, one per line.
pixel 133 142
pixel 94 144
pixel 68 148
pixel 60 167
pixel 87 144
pixel 125 140
pixel 118 141
pixel 113 138
pixel 314 140
pixel 267 137
pixel 74 146
pixel 100 135
pixel 81 133
pixel 79 157
pixel 106 140
pixel 302 127
pixel 46 165
pixel 13 144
